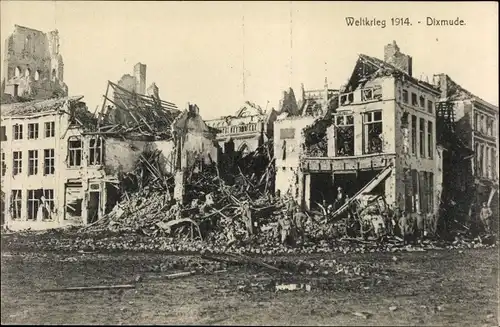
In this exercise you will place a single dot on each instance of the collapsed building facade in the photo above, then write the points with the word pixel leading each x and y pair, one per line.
pixel 244 131
pixel 33 67
pixel 380 136
pixel 468 133
pixel 62 165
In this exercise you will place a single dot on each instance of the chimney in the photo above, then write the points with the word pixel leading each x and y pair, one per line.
pixel 140 78
pixel 395 57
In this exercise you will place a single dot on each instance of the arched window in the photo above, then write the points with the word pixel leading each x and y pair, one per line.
pixel 54 72
pixel 17 72
pixel 75 148
pixel 27 72
pixel 37 75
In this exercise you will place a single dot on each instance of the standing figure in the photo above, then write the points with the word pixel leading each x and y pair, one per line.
pixel 247 217
pixel 340 200
pixel 300 222
pixel 485 216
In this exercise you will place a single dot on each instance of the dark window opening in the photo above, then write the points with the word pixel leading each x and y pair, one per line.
pixel 17 162
pixel 414 101
pixel 372 125
pixel 48 162
pixel 344 135
pixel 95 151
pixel 414 134
pixel 16 204
pixel 405 96
pixel 75 152
pixel 33 131
pixel 422 137
pixel 32 162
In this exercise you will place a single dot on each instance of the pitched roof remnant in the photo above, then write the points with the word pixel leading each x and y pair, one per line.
pixel 35 107
pixel 133 113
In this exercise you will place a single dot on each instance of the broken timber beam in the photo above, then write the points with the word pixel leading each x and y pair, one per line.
pixel 89 288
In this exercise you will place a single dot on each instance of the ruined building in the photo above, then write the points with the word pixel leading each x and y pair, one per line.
pixel 246 130
pixel 380 132
pixel 472 159
pixel 33 67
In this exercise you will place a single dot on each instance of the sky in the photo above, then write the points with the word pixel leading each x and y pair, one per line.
pixel 199 52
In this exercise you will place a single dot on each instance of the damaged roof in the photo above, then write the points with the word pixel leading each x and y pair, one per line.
pixel 455 92
pixel 381 68
pixel 35 107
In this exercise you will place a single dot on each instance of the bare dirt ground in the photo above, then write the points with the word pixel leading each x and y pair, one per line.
pixel 447 287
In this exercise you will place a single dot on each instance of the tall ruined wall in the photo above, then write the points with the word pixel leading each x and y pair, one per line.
pixel 33 66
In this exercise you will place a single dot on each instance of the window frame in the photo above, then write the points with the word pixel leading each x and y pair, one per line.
pixel 3 163
pixel 96 149
pixel 49 129
pixel 49 162
pixel 17 132
pixel 17 163
pixel 430 139
pixel 32 205
pixel 367 123
pixel 75 161
pixel 33 131
pixel 32 162
pixel 16 204
pixel 422 135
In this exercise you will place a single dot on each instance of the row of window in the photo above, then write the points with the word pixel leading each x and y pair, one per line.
pixel 17 162
pixel 485 160
pixel 74 158
pixel 239 129
pixel 484 124
pixel 418 101
pixel 33 131
pixel 27 73
pixel 39 204
pixel 421 137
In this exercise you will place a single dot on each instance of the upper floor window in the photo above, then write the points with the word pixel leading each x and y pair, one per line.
pixel 95 151
pixel 3 164
pixel 429 106
pixel 75 151
pixel 481 123
pixel 476 122
pixel 49 129
pixel 33 131
pixel 32 162
pixel 422 101
pixel 3 133
pixel 422 137
pixel 372 132
pixel 405 96
pixel 18 132
pixel 489 127
pixel 414 134
pixel 344 135
pixel 48 162
pixel 414 101
pixel 430 140
pixel 17 162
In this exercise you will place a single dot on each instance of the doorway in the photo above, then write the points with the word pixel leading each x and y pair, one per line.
pixel 93 206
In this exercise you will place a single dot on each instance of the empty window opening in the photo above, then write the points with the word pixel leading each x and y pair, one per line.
pixel 422 137
pixel 37 75
pixel 50 129
pixel 18 132
pixel 372 125
pixel 33 131
pixel 3 133
pixel 27 72
pixel 48 162
pixel 54 73
pixel 16 204
pixel 75 152
pixel 422 101
pixel 3 163
pixel 405 96
pixel 414 101
pixel 414 134
pixel 17 162
pixel 46 208
pixel 344 135
pixel 96 151
pixel 33 203
pixel 430 140
pixel 32 162
pixel 17 72
pixel 430 106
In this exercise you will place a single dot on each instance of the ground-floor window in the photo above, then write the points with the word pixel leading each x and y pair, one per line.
pixel 33 203
pixel 73 200
pixel 16 204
